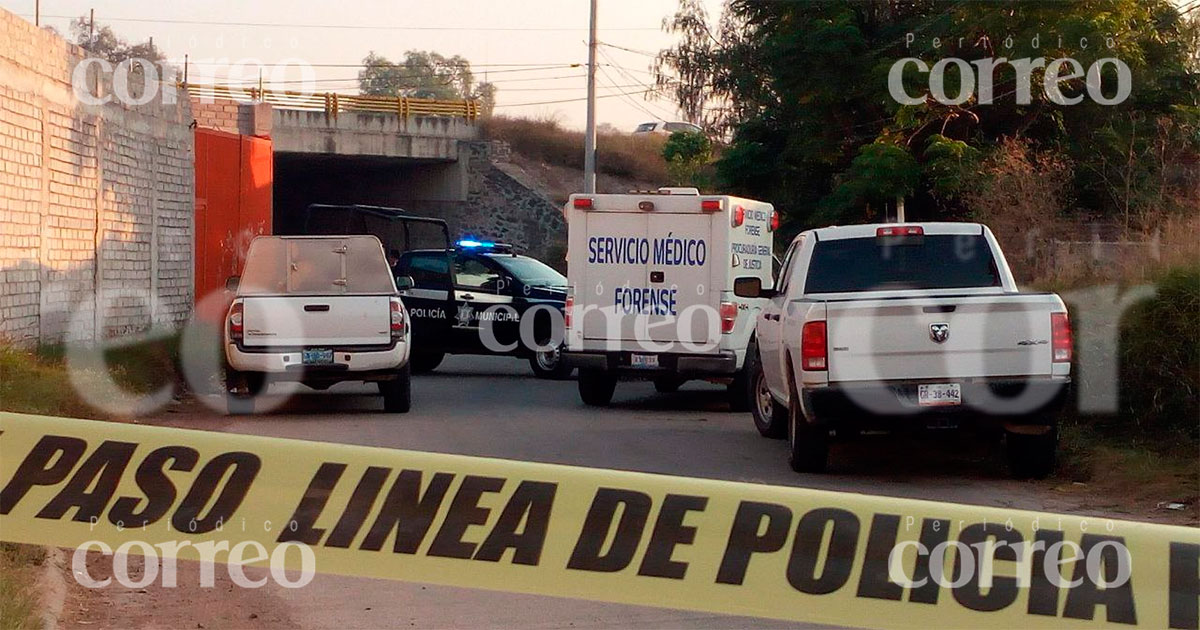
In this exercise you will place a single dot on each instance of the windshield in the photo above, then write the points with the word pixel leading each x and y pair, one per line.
pixel 931 262
pixel 531 271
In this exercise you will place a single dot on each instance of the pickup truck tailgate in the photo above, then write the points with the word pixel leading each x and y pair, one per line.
pixel 342 320
pixel 948 337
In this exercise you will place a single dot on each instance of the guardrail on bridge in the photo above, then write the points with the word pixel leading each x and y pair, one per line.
pixel 333 103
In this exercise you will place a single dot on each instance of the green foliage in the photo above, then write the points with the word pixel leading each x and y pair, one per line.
pixel 686 153
pixel 950 165
pixel 1160 358
pixel 802 88
pixel 422 74
pixel 879 174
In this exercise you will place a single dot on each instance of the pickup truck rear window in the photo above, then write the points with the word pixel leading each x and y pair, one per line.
pixel 931 262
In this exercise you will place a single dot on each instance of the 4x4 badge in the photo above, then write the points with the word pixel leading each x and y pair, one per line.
pixel 940 332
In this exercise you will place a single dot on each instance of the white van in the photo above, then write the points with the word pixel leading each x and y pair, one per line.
pixel 651 279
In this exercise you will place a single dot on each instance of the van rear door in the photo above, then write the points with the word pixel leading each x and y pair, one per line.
pixel 617 256
pixel 646 269
pixel 682 259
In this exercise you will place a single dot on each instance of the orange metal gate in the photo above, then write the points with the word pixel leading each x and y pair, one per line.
pixel 234 177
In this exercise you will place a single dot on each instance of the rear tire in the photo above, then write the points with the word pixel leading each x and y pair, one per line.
pixel 397 393
pixel 425 362
pixel 241 388
pixel 1031 456
pixel 596 387
pixel 667 384
pixel 809 444
pixel 738 392
pixel 550 365
pixel 770 417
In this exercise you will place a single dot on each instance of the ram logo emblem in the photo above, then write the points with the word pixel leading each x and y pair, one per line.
pixel 940 332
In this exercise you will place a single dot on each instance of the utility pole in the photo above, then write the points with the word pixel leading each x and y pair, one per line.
pixel 899 208
pixel 91 24
pixel 37 12
pixel 589 136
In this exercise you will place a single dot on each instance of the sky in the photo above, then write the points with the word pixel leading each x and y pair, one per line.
pixel 526 47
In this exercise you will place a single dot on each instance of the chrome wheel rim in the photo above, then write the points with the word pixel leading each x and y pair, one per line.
pixel 548 359
pixel 762 396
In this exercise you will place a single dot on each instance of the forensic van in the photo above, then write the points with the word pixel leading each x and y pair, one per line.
pixel 650 288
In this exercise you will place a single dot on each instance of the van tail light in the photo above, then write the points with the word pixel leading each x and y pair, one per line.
pixel 739 216
pixel 1060 336
pixel 729 313
pixel 398 323
pixel 236 321
pixel 711 205
pixel 813 355
pixel 570 306
pixel 582 203
pixel 774 225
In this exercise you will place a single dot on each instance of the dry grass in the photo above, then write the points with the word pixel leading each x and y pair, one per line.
pixel 19 606
pixel 618 154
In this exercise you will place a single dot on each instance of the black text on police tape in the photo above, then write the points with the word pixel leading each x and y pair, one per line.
pixel 410 506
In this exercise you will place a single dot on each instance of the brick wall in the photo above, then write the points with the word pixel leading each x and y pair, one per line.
pixel 247 119
pixel 96 201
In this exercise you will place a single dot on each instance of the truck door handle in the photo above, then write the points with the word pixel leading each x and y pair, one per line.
pixel 468 296
pixel 316 308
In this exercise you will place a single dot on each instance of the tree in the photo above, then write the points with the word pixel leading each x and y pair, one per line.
pixel 802 89
pixel 100 40
pixel 422 74
pixel 686 153
pixel 485 93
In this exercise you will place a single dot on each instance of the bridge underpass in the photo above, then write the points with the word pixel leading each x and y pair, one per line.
pixel 422 186
pixel 429 164
pixel 417 163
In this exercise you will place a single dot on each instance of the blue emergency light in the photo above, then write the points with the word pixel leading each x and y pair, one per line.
pixel 472 244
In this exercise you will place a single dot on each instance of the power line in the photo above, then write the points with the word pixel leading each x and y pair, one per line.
pixel 365 27
pixel 254 81
pixel 631 50
pixel 632 101
pixel 513 67
pixel 567 100
pixel 650 88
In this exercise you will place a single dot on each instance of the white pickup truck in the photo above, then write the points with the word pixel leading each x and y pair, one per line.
pixel 318 310
pixel 916 325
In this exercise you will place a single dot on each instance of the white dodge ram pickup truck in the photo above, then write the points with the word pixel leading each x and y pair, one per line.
pixel 318 310
pixel 912 325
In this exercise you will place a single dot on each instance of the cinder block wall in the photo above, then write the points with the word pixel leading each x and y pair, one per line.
pixel 96 201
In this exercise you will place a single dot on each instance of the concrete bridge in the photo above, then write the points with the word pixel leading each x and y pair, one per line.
pixel 429 165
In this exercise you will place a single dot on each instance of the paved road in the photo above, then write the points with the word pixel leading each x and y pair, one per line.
pixel 494 407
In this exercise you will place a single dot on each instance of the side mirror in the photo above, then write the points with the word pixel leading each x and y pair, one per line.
pixel 404 283
pixel 751 287
pixel 232 282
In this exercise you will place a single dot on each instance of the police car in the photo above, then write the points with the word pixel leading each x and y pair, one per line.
pixel 652 288
pixel 481 297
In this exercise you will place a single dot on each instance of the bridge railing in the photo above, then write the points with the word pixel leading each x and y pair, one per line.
pixel 333 103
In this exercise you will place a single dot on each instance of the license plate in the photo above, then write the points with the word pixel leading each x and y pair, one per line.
pixel 939 394
pixel 317 356
pixel 644 361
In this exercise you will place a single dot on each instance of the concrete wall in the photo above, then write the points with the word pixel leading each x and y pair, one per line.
pixel 380 135
pixel 96 202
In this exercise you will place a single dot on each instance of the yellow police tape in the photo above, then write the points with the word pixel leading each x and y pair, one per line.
pixel 717 546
